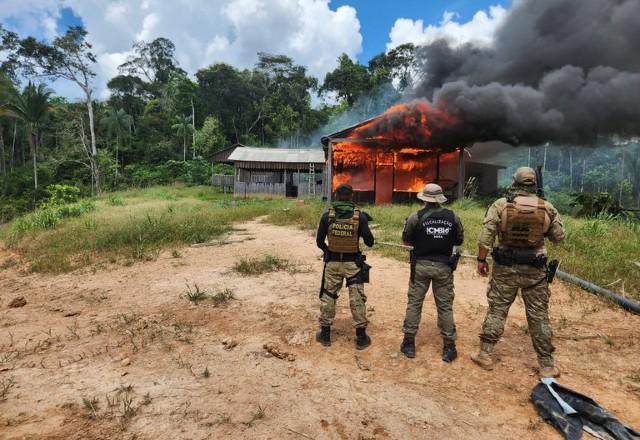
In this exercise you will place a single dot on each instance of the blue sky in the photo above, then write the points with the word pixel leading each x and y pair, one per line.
pixel 378 16
pixel 313 32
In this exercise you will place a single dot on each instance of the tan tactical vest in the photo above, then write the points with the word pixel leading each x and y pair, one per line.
pixel 524 222
pixel 343 233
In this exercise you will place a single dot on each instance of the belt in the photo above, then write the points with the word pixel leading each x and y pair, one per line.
pixel 342 256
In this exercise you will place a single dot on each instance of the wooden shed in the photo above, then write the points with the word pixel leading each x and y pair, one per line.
pixel 278 172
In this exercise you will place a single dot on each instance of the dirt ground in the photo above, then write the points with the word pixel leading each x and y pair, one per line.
pixel 120 352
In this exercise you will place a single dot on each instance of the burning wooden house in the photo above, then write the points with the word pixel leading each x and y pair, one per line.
pixel 389 158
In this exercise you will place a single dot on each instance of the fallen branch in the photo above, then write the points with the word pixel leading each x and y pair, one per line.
pixel 221 242
pixel 299 433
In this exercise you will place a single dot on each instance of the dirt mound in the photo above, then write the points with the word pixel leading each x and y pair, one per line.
pixel 124 352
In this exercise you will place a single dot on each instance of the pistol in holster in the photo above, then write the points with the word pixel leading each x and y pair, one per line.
pixel 454 259
pixel 552 268
pixel 363 274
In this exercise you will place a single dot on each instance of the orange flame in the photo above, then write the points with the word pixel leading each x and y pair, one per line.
pixel 400 139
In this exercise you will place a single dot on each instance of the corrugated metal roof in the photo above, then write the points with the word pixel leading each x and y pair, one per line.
pixel 282 155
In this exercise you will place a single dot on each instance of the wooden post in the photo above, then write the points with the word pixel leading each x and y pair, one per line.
pixel 330 173
pixel 461 174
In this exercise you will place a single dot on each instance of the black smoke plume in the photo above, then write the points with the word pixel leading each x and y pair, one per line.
pixel 560 71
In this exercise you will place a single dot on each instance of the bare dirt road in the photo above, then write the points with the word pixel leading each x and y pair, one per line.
pixel 121 353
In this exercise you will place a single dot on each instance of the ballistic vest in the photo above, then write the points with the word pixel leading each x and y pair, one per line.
pixel 435 235
pixel 524 222
pixel 343 233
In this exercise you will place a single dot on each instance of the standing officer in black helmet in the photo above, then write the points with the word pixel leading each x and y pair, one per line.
pixel 343 225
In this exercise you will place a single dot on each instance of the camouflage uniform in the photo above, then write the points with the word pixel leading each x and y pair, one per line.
pixel 335 274
pixel 507 280
pixel 343 225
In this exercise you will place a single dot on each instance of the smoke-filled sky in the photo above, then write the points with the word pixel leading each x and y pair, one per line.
pixel 556 71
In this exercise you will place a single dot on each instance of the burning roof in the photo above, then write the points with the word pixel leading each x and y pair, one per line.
pixel 416 125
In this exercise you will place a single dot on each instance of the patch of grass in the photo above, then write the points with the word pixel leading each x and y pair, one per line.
pixel 91 406
pixel 5 386
pixel 259 266
pixel 47 217
pixel 635 376
pixel 152 220
pixel 223 297
pixel 195 295
pixel 258 414
pixel 115 200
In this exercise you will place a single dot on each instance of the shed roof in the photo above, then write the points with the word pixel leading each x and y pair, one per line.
pixel 277 155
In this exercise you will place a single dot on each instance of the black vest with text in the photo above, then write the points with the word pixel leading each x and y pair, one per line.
pixel 435 235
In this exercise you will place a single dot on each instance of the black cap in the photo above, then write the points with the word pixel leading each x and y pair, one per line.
pixel 344 189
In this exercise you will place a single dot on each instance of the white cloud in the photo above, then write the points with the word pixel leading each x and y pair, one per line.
pixel 479 30
pixel 204 31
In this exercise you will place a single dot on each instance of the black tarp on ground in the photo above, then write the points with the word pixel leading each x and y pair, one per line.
pixel 572 412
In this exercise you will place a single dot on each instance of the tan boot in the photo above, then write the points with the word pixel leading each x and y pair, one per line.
pixel 482 357
pixel 549 371
pixel 547 367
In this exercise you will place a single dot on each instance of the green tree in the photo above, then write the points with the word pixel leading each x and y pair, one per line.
pixel 286 107
pixel 7 90
pixel 118 123
pixel 31 107
pixel 349 80
pixel 179 99
pixel 68 57
pixel 183 127
pixel 210 137
pixel 154 61
pixel 129 93
pixel 233 97
pixel 399 63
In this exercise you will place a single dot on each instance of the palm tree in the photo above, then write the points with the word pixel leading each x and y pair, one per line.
pixel 32 107
pixel 183 128
pixel 118 123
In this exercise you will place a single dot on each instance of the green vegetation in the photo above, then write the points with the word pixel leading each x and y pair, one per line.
pixel 195 295
pixel 258 266
pixel 134 225
pixel 150 220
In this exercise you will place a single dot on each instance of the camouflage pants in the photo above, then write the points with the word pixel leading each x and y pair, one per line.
pixel 441 276
pixel 335 274
pixel 503 289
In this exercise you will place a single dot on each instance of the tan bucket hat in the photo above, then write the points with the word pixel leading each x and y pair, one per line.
pixel 432 193
pixel 525 176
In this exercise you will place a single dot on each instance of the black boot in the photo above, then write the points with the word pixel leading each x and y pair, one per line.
pixel 324 336
pixel 449 352
pixel 362 339
pixel 408 346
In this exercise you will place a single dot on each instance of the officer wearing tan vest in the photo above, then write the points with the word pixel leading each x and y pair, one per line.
pixel 514 229
pixel 342 226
